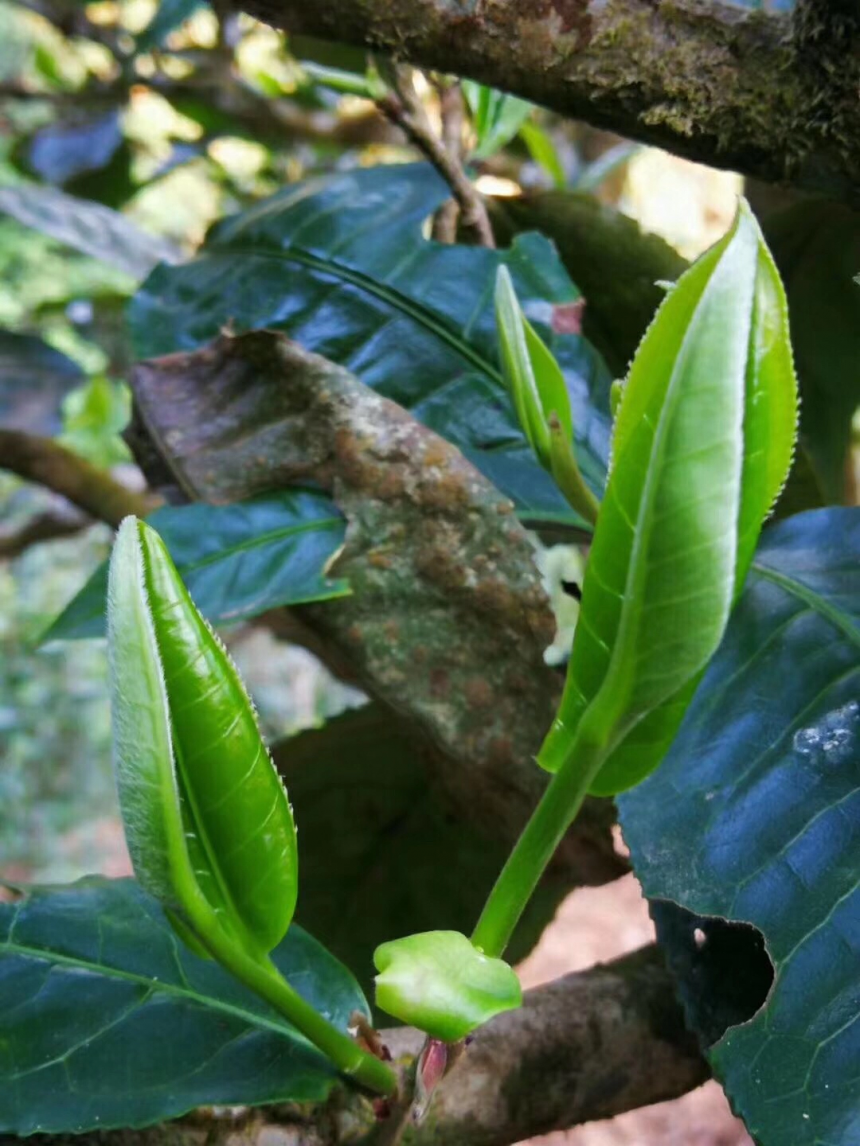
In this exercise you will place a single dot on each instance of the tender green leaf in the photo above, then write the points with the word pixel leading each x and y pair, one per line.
pixel 533 376
pixel 87 227
pixel 109 1022
pixel 438 982
pixel 614 264
pixel 206 817
pixel 34 379
pixel 340 265
pixel 702 444
pixel 237 560
pixel 816 246
pixel 391 861
pixel 543 151
pixel 496 117
pixel 754 817
pixel 169 15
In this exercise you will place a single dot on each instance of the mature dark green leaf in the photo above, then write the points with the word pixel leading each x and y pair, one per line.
pixel 816 246
pixel 34 379
pixel 754 817
pixel 379 855
pixel 237 560
pixel 169 15
pixel 108 1021
pixel 340 265
pixel 87 227
pixel 613 263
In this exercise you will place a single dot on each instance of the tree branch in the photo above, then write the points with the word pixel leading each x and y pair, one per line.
pixel 404 108
pixel 448 620
pixel 771 94
pixel 591 1045
pixel 47 463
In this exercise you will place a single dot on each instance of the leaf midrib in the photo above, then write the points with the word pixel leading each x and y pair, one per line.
pixel 258 541
pixel 422 315
pixel 151 985
pixel 814 600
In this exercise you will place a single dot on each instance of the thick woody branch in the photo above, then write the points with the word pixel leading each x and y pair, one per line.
pixel 770 94
pixel 591 1045
pixel 47 463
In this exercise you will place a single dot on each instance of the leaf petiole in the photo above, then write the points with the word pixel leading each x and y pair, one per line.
pixel 261 976
pixel 556 811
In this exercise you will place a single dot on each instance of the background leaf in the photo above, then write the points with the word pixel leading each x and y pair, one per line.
pixel 616 265
pixel 237 560
pixel 169 15
pixel 109 1021
pixel 816 246
pixel 341 266
pixel 88 227
pixel 60 152
pixel 754 817
pixel 496 116
pixel 34 380
pixel 380 857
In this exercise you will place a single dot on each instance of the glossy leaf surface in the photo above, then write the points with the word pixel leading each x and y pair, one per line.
pixel 108 1021
pixel 438 982
pixel 754 817
pixel 87 227
pixel 237 560
pixel 391 861
pixel 340 265
pixel 702 444
pixel 206 817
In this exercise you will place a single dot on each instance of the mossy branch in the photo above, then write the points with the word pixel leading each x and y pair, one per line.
pixel 771 94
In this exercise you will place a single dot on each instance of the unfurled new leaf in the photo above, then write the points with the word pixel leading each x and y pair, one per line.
pixel 540 396
pixel 703 441
pixel 208 824
pixel 441 983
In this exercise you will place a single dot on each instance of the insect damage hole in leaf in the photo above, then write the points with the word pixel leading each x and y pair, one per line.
pixel 724 972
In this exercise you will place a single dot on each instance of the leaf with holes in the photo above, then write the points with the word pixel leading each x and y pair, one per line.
pixel 108 1021
pixel 340 265
pixel 754 817
pixel 237 560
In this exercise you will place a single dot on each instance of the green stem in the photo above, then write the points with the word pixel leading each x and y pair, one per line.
pixel 566 473
pixel 264 979
pixel 534 849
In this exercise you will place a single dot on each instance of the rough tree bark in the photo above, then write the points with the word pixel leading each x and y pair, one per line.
pixel 772 94
pixel 448 619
